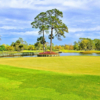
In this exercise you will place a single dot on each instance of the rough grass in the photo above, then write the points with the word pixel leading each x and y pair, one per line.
pixel 72 78
pixel 78 51
pixel 28 84
pixel 89 65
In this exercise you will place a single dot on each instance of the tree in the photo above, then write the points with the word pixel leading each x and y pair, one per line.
pixel 13 44
pixel 18 44
pixel 21 40
pixel 95 42
pixel 21 46
pixel 40 22
pixel 38 45
pixel 2 48
pixel 98 45
pixel 25 46
pixel 31 47
pixel 10 48
pixel 55 24
pixel 58 47
pixel 51 46
pixel 87 44
pixel 76 46
pixel 71 47
pixel 66 47
pixel 41 40
pixel 84 44
pixel 90 44
pixel 46 46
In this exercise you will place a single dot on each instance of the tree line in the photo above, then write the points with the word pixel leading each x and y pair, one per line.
pixel 87 44
pixel 82 44
pixel 20 45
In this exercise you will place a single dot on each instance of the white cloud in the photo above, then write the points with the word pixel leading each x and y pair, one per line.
pixel 84 29
pixel 8 24
pixel 76 3
pixel 16 20
pixel 34 33
pixel 96 4
pixel 10 27
pixel 49 4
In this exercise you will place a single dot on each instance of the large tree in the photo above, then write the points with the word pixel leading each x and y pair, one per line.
pixel 55 24
pixel 40 21
pixel 98 45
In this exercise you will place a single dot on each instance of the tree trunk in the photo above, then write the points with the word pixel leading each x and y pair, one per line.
pixel 51 40
pixel 43 40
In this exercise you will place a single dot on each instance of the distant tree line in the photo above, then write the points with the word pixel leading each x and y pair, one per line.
pixel 82 44
pixel 87 44
pixel 20 45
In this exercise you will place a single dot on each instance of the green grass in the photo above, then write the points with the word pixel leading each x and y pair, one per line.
pixel 71 51
pixel 29 84
pixel 9 52
pixel 78 51
pixel 32 51
pixel 68 65
pixel 56 78
pixel 64 51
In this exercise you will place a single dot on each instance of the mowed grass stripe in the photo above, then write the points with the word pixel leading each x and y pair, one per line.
pixel 68 65
pixel 28 84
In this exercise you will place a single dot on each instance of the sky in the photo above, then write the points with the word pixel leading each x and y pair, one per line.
pixel 82 18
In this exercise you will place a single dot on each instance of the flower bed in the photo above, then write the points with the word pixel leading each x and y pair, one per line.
pixel 47 54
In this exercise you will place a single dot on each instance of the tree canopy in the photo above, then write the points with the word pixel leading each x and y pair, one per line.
pixel 40 22
pixel 50 20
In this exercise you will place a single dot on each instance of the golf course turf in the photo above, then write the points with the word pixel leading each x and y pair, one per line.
pixel 51 78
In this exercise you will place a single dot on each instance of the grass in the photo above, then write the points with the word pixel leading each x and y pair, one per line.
pixel 64 51
pixel 1 52
pixel 72 78
pixel 29 84
pixel 69 64
pixel 78 51
pixel 32 51
pixel 72 51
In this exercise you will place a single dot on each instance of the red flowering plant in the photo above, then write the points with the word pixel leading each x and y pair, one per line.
pixel 47 53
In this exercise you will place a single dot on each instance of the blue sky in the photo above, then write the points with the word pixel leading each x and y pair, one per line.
pixel 81 16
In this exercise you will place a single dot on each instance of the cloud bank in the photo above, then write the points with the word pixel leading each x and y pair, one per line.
pixel 81 16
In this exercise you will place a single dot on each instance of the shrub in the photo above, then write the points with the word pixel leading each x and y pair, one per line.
pixel 48 53
pixel 2 48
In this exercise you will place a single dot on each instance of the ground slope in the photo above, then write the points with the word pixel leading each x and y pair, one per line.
pixel 68 65
pixel 28 84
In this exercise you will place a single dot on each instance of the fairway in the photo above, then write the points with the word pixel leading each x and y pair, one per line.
pixel 63 78
pixel 68 65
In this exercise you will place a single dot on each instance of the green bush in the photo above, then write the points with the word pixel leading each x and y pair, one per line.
pixel 2 48
pixel 87 52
